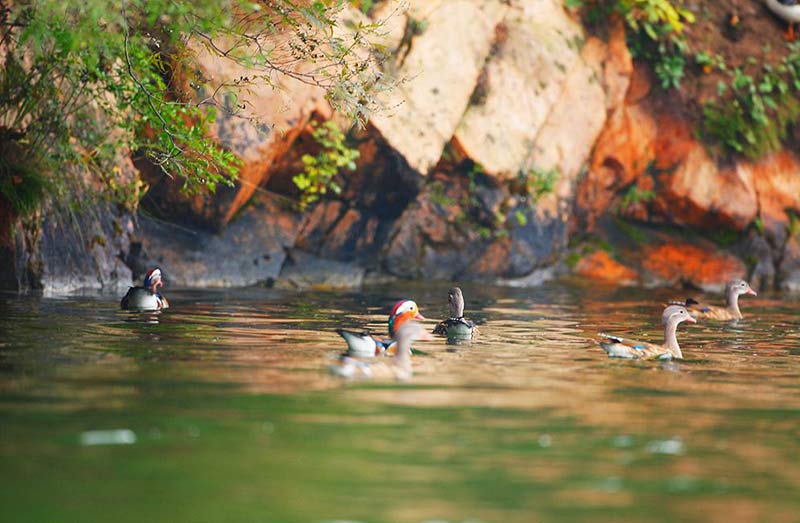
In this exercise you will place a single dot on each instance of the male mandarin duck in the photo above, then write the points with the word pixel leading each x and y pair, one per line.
pixel 617 347
pixel 146 297
pixel 362 344
pixel 731 311
pixel 789 10
pixel 455 327
pixel 399 367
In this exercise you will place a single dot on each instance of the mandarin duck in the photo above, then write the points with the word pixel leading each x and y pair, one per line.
pixel 618 347
pixel 399 367
pixel 146 297
pixel 455 327
pixel 733 289
pixel 788 10
pixel 363 345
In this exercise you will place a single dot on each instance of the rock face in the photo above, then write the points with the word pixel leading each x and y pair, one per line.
pixel 440 67
pixel 66 250
pixel 250 251
pixel 510 129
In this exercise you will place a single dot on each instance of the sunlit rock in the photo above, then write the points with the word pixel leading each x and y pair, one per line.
pixel 439 63
pixel 600 266
pixel 676 263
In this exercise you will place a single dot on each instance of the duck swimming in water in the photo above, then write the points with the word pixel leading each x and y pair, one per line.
pixel 363 345
pixel 399 367
pixel 617 347
pixel 146 297
pixel 731 311
pixel 455 327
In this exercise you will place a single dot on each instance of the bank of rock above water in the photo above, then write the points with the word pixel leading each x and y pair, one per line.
pixel 508 153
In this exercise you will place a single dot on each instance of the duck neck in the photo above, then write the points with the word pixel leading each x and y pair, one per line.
pixel 456 307
pixel 402 358
pixel 732 300
pixel 671 339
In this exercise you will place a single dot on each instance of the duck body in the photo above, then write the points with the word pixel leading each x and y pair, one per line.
pixel 619 347
pixel 455 327
pixel 396 368
pixel 730 311
pixel 146 297
pixel 361 344
pixel 139 298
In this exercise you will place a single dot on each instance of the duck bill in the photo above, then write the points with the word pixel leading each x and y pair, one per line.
pixel 690 319
pixel 419 317
pixel 751 291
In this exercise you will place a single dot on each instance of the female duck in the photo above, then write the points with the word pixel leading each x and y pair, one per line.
pixel 731 311
pixel 363 345
pixel 455 327
pixel 146 297
pixel 398 368
pixel 617 347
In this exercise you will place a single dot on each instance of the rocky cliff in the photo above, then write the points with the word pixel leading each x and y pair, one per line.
pixel 517 145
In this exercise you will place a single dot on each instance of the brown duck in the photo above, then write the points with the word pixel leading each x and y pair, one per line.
pixel 731 311
pixel 617 347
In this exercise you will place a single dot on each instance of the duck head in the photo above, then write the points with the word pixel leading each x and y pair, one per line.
pixel 675 314
pixel 455 302
pixel 736 288
pixel 403 311
pixel 152 280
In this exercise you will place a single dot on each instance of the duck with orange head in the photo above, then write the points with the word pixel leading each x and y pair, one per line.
pixel 363 344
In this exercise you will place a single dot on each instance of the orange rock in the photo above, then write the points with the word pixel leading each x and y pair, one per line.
pixel 777 183
pixel 599 265
pixel 621 154
pixel 688 263
pixel 701 194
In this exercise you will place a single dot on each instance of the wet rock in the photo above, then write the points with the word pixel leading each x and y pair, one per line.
pixel 441 63
pixel 376 194
pixel 534 279
pixel 250 251
pixel 537 242
pixel 433 238
pixel 704 266
pixel 306 271
pixel 788 278
pixel 78 249
pixel 600 266
pixel 759 255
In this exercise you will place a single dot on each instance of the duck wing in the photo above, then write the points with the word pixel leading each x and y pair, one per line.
pixel 140 299
pixel 361 343
pixel 618 347
pixel 705 311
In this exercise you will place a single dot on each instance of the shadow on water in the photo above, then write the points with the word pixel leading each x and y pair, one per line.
pixel 218 410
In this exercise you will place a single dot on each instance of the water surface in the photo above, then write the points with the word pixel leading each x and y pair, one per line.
pixel 234 419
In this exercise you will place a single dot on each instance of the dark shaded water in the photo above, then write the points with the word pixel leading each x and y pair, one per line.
pixel 228 414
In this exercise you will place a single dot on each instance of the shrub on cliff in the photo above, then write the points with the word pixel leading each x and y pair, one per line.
pixel 85 81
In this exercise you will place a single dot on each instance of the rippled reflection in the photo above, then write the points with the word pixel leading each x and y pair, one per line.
pixel 218 409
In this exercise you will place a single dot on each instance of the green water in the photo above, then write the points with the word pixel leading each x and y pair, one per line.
pixel 235 419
